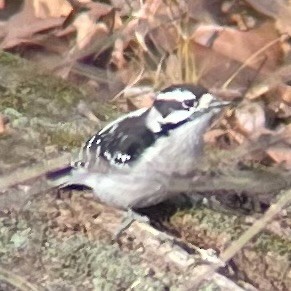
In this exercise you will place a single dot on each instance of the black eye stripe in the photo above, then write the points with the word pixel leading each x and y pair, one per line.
pixel 165 108
pixel 189 102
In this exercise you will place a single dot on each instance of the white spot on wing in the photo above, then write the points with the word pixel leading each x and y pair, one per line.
pixel 107 155
pixel 121 157
pixel 90 141
pixel 89 144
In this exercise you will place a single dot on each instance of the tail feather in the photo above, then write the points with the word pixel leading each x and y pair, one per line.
pixel 61 177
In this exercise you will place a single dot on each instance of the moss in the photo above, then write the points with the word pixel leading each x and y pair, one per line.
pixel 211 220
pixel 42 110
pixel 215 224
pixel 75 259
pixel 107 266
pixel 34 98
pixel 14 236
pixel 63 139
pixel 29 90
pixel 10 60
pixel 266 242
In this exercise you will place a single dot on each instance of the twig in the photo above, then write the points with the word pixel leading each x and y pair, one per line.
pixel 17 281
pixel 238 244
pixel 250 59
pixel 139 76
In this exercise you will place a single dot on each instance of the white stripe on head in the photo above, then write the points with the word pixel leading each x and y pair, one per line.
pixel 177 95
pixel 177 116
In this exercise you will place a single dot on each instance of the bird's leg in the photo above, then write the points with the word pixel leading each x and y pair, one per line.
pixel 129 217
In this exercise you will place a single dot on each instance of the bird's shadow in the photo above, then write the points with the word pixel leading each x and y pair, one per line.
pixel 160 214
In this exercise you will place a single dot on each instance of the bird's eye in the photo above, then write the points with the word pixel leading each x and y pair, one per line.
pixel 189 103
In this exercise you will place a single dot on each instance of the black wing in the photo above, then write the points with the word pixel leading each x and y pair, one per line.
pixel 119 144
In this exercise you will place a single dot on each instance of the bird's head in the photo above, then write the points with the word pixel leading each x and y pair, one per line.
pixel 179 104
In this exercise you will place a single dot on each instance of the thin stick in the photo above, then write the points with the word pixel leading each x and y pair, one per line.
pixel 128 86
pixel 238 244
pixel 250 59
pixel 15 280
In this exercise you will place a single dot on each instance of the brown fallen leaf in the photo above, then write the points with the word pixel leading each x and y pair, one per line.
pixel 237 136
pixel 212 135
pixel 281 155
pixel 51 8
pixel 284 110
pixel 285 92
pixel 23 25
pixel 2 4
pixel 250 118
pixel 285 133
pixel 117 57
pixel 88 29
pixel 139 97
pixel 241 45
pixel 2 125
pixel 279 10
pixel 278 78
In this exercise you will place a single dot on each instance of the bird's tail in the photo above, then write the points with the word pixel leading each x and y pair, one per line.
pixel 61 177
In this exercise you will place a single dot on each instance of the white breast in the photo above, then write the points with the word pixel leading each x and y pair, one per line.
pixel 178 152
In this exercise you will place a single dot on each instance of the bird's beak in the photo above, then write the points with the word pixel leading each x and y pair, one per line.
pixel 220 103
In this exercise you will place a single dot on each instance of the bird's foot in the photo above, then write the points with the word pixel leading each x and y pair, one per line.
pixel 129 217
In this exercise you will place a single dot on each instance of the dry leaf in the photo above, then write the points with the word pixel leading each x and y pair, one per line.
pixel 24 24
pixel 126 7
pixel 93 28
pixel 280 10
pixel 139 97
pixel 278 77
pixel 270 8
pixel 173 69
pixel 166 37
pixel 212 135
pixel 250 118
pixel 4 121
pixel 206 34
pixel 87 29
pixel 281 155
pixel 203 11
pixel 117 56
pixel 2 125
pixel 140 32
pixel 285 133
pixel 237 136
pixel 285 93
pixel 51 8
pixel 241 45
pixel 2 4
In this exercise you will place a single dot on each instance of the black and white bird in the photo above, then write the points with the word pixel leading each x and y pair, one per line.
pixel 129 164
